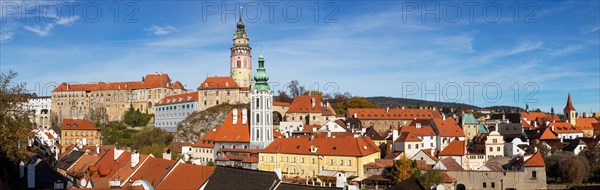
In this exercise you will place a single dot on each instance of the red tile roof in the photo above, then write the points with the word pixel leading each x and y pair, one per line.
pixel 186 176
pixel 569 105
pixel 539 116
pixel 77 124
pixel 585 123
pixel 448 127
pixel 218 83
pixel 79 167
pixel 303 104
pixel 250 159
pixel 282 104
pixel 547 134
pixel 150 81
pixel 564 127
pixel 428 153
pixel 358 147
pixel 154 170
pixel 425 130
pixel 309 128
pixel 125 170
pixel 179 98
pixel 207 141
pixel 455 148
pixel 535 161
pixel 407 137
pixel 229 132
pixel 178 85
pixel 392 114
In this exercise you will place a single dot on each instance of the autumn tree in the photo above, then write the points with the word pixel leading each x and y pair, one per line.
pixel 150 136
pixel 575 169
pixel 431 178
pixel 295 89
pixel 15 127
pixel 592 153
pixel 282 96
pixel 403 169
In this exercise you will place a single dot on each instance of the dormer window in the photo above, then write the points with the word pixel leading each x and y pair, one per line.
pixel 226 84
pixel 205 84
pixel 75 126
pixel 68 126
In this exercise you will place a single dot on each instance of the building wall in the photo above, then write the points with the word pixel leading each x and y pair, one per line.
pixel 383 125
pixel 202 155
pixel 474 161
pixel 470 131
pixel 313 118
pixel 211 97
pixel 502 179
pixel 40 108
pixel 70 136
pixel 168 116
pixel 303 165
pixel 409 148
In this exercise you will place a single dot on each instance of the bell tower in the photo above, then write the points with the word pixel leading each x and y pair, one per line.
pixel 569 111
pixel 261 109
pixel 241 58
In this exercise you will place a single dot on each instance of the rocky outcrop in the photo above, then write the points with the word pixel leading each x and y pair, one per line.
pixel 198 123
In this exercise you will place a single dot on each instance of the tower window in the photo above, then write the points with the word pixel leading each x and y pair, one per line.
pixel 239 63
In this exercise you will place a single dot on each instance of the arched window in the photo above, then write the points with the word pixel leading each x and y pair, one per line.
pixel 257 103
pixel 257 134
pixel 257 117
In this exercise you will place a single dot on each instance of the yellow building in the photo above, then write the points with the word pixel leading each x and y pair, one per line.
pixel 307 157
pixel 310 110
pixel 74 131
pixel 110 100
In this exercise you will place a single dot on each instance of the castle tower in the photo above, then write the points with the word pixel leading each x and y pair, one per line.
pixel 241 58
pixel 569 111
pixel 261 109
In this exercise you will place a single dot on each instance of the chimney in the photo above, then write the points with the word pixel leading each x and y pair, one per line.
pixel 432 151
pixel 327 104
pixel 394 135
pixel 97 149
pixel 68 87
pixel 443 117
pixel 535 124
pixel 314 129
pixel 244 116
pixel 135 158
pixel 402 107
pixel 552 128
pixel 418 125
pixel 387 109
pixel 503 117
pixel 355 115
pixel 31 176
pixel 235 116
pixel 328 134
pixel 312 102
pixel 21 169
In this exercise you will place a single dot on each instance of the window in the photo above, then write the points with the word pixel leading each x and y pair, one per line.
pixel 302 161
pixel 498 149
pixel 408 146
pixel 534 174
pixel 313 161
pixel 484 185
pixel 349 162
pixel 331 162
pixel 271 159
pixel 293 159
pixel 262 158
pixel 493 185
pixel 495 140
pixel 491 149
pixel 417 146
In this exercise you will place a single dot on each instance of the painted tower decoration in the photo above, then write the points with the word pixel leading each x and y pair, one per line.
pixel 261 110
pixel 241 58
pixel 569 111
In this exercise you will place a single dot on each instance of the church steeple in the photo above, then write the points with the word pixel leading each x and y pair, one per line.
pixel 569 111
pixel 261 77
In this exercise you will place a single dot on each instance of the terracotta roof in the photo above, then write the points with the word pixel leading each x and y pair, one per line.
pixel 178 85
pixel 207 141
pixel 176 146
pixel 535 161
pixel 380 163
pixel 186 176
pixel 425 130
pixel 277 134
pixel 539 116
pixel 448 127
pixel 153 170
pixel 309 128
pixel 77 124
pixel 150 81
pixel 428 153
pixel 526 125
pixel 179 98
pixel 282 104
pixel 407 137
pixel 250 159
pixel 107 165
pixel 79 167
pixel 548 135
pixel 596 126
pixel 451 164
pixel 455 148
pixel 303 104
pixel 585 123
pixel 125 170
pixel 392 114
pixel 360 146
pixel 569 105
pixel 229 132
pixel 447 178
pixel 218 83
pixel 564 127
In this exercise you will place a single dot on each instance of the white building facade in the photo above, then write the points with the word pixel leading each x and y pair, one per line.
pixel 173 109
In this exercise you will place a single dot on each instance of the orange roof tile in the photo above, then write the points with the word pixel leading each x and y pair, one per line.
pixel 79 167
pixel 179 98
pixel 229 132
pixel 277 134
pixel 303 104
pixel 407 137
pixel 78 124
pixel 535 161
pixel 455 148
pixel 448 127
pixel 150 81
pixel 548 135
pixel 425 130
pixel 309 128
pixel 585 123
pixel 428 153
pixel 392 114
pixel 125 170
pixel 218 83
pixel 360 146
pixel 564 127
pixel 178 85
pixel 207 141
pixel 186 176
pixel 282 104
pixel 250 159
pixel 154 170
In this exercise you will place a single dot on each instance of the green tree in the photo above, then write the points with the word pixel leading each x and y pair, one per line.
pixel 15 127
pixel 116 133
pixel 431 178
pixel 359 102
pixel 210 163
pixel 154 149
pixel 150 136
pixel 403 169
pixel 135 118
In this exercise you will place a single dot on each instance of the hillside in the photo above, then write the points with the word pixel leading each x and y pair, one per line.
pixel 413 103
pixel 197 124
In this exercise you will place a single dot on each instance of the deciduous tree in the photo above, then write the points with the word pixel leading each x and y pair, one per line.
pixel 403 169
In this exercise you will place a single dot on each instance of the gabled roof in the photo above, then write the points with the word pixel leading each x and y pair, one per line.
pixel 428 153
pixel 178 85
pixel 469 119
pixel 178 98
pixel 585 123
pixel 154 170
pixel 564 127
pixel 535 161
pixel 186 176
pixel 547 134
pixel 448 127
pixel 229 132
pixel 373 134
pixel 304 104
pixel 80 166
pixel 455 148
pixel 67 161
pixel 358 147
pixel 77 124
pixel 218 83
pixel 392 114
pixel 207 141
pixel 450 164
pixel 125 170
pixel 569 106
pixel 407 137
pixel 150 81
pixel 380 163
pixel 425 130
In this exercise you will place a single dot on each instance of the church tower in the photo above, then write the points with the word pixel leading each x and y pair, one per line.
pixel 241 58
pixel 569 111
pixel 261 109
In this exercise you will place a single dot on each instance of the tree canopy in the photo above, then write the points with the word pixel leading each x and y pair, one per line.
pixel 403 169
pixel 135 118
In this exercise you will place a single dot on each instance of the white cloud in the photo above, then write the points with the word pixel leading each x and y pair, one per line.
pixel 570 49
pixel 39 30
pixel 67 20
pixel 5 36
pixel 161 30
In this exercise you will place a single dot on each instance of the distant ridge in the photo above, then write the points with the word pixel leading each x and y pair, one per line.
pixel 383 101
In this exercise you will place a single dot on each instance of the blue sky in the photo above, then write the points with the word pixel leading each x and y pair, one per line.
pixel 384 48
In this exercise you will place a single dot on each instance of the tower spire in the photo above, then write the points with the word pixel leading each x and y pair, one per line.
pixel 261 76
